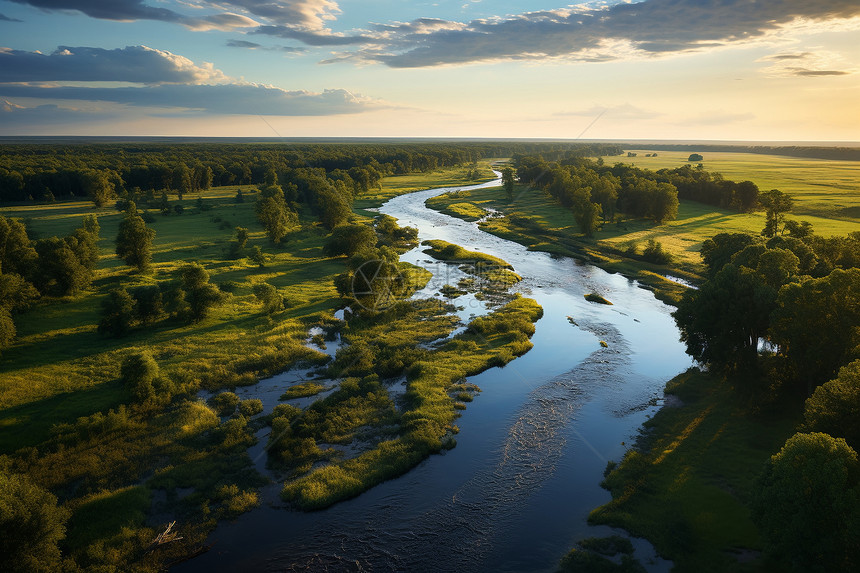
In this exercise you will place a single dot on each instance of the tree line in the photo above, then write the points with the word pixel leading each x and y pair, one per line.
pixel 41 172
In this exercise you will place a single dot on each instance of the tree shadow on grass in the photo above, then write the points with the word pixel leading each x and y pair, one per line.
pixel 30 424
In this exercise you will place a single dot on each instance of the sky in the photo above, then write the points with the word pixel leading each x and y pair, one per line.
pixel 754 70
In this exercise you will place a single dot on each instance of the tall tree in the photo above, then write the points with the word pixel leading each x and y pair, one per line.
pixel 134 239
pixel 776 205
pixel 201 295
pixel 508 182
pixel 272 211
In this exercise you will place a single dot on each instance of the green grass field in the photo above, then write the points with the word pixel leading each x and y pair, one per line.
pixel 58 350
pixel 822 189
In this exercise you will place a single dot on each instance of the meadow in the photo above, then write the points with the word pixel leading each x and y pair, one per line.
pixel 68 419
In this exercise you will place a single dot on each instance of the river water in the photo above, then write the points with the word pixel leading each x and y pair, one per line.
pixel 515 493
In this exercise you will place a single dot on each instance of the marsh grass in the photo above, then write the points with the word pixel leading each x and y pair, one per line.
pixel 426 423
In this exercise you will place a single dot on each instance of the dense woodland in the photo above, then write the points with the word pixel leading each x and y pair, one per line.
pixel 36 172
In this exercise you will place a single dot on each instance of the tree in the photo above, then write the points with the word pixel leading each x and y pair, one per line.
pixel 664 203
pixel 815 324
pixel 257 256
pixel 806 504
pixel 333 206
pixel 695 157
pixel 117 313
pixel 86 242
pixel 31 526
pixel 200 294
pixel 508 182
pixel 17 254
pixel 98 187
pixel 776 204
pixel 148 303
pixel 272 211
pixel 269 296
pixel 59 271
pixel 134 239
pixel 722 322
pixel 717 251
pixel 834 407
pixel 141 376
pixel 7 328
pixel 349 240
pixel 164 204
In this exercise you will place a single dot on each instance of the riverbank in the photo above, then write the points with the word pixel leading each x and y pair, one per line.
pixel 538 223
pixel 686 483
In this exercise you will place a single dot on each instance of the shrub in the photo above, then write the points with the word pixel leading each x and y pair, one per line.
pixel 139 373
pixel 31 526
pixel 225 403
pixel 270 298
pixel 250 407
pixel 654 253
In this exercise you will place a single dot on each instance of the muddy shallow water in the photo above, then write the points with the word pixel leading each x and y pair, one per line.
pixel 515 493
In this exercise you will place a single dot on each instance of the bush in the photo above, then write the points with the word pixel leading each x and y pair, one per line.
pixel 250 407
pixel 225 403
pixel 654 253
pixel 31 526
pixel 139 373
pixel 269 296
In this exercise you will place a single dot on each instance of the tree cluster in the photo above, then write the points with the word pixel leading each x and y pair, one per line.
pixel 801 295
pixel 47 267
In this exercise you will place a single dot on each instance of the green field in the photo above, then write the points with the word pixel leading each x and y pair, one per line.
pixel 822 189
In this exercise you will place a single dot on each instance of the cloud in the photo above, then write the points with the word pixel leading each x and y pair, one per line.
pixel 14 115
pixel 130 10
pixel 138 64
pixel 803 72
pixel 302 14
pixel 255 46
pixel 314 37
pixel 5 18
pixel 589 33
pixel 809 64
pixel 228 99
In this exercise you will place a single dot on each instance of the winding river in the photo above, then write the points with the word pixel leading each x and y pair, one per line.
pixel 515 493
